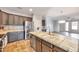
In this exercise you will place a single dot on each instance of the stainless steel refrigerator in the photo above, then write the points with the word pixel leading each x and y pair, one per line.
pixel 27 28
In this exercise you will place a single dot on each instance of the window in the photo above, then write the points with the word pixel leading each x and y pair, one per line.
pixel 67 26
pixel 75 25
pixel 62 21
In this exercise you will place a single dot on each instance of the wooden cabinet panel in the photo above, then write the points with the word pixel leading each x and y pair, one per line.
pixel 57 49
pixel 12 36
pixel 15 36
pixel 25 18
pixel 16 19
pixel 38 45
pixel 11 19
pixel 46 47
pixel 0 17
pixel 4 18
pixel 20 20
pixel 20 35
pixel 33 42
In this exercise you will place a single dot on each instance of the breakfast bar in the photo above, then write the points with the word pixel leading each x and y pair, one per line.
pixel 53 42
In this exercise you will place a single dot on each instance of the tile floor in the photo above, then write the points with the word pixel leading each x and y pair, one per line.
pixel 18 46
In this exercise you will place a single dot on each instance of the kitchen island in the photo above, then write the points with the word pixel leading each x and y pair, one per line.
pixel 54 42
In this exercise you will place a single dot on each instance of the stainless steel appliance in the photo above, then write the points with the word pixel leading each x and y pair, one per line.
pixel 27 28
pixel 3 41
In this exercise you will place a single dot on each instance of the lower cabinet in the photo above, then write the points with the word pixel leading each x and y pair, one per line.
pixel 12 36
pixel 33 42
pixel 46 47
pixel 57 49
pixel 38 45
pixel 15 36
pixel 21 35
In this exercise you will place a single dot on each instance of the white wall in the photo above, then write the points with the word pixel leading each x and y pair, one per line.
pixel 37 19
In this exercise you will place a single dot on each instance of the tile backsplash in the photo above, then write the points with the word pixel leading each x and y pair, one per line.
pixel 13 27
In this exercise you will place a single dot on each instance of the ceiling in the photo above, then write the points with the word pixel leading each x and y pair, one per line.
pixel 25 10
pixel 44 11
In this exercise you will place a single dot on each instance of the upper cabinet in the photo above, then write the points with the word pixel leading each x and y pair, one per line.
pixel 20 21
pixel 16 19
pixel 4 18
pixel 0 17
pixel 11 19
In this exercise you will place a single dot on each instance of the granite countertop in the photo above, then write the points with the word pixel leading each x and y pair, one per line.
pixel 73 35
pixel 64 42
pixel 6 31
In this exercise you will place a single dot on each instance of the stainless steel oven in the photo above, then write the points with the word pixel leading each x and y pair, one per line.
pixel 3 42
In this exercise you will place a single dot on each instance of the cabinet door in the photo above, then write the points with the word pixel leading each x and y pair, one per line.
pixel 46 47
pixel 38 45
pixel 20 20
pixel 20 35
pixel 12 36
pixel 0 17
pixel 16 19
pixel 4 18
pixel 33 42
pixel 25 18
pixel 11 19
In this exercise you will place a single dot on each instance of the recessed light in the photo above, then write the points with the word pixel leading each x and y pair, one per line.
pixel 30 9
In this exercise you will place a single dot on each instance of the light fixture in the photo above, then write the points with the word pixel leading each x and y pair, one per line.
pixel 30 10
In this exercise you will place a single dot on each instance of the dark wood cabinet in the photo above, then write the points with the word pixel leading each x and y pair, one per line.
pixel 20 22
pixel 0 17
pixel 46 47
pixel 20 35
pixel 4 18
pixel 16 19
pixel 15 36
pixel 57 49
pixel 38 45
pixel 33 42
pixel 11 19
pixel 12 36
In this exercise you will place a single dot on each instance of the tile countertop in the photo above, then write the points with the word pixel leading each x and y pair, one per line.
pixel 64 42
pixel 6 31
